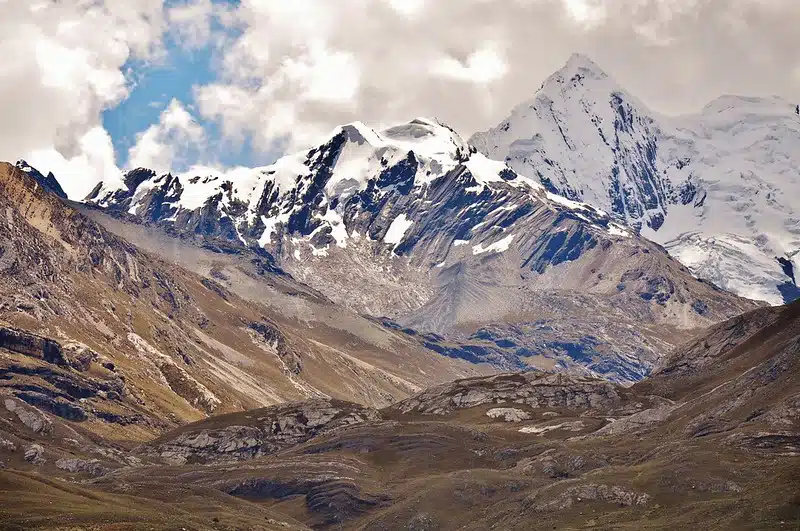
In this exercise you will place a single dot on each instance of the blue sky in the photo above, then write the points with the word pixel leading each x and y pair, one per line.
pixel 153 85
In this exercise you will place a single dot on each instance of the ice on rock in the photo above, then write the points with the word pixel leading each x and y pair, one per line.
pixel 397 230
pixel 497 247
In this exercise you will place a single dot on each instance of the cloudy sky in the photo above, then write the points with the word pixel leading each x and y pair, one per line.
pixel 90 88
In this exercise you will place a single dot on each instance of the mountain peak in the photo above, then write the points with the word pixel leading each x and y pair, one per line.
pixel 578 75
pixel 579 61
pixel 137 176
pixel 48 182
pixel 579 65
pixel 407 135
pixel 360 133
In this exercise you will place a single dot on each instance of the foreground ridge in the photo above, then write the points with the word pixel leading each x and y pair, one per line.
pixel 710 440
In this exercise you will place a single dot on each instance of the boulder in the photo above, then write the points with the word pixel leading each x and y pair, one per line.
pixel 508 414
pixel 34 454
pixel 30 416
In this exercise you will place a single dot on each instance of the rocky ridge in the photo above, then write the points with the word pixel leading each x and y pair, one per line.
pixel 95 330
pixel 412 224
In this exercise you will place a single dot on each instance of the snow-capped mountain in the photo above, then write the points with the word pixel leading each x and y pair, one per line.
pixel 412 223
pixel 719 189
pixel 357 186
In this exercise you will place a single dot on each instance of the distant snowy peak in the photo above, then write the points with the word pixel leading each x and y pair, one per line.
pixel 413 223
pixel 720 186
pixel 579 67
pixel 571 136
pixel 354 153
pixel 753 106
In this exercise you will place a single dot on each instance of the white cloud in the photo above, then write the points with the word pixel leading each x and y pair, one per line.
pixel 484 65
pixel 324 75
pixel 78 174
pixel 407 7
pixel 62 65
pixel 587 12
pixel 275 102
pixel 192 22
pixel 300 68
pixel 290 71
pixel 162 146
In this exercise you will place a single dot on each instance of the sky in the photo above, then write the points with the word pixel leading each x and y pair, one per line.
pixel 92 88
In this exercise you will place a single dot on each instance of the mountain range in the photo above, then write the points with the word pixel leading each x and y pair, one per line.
pixel 717 189
pixel 563 321
pixel 174 344
pixel 710 440
pixel 414 226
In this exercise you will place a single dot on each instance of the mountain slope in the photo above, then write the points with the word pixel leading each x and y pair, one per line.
pixel 412 224
pixel 716 189
pixel 96 329
pixel 711 441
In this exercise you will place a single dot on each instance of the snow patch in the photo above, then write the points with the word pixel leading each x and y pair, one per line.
pixel 497 247
pixel 338 230
pixel 539 430
pixel 397 230
pixel 618 230
pixel 319 252
pixel 270 226
pixel 485 170
pixel 572 205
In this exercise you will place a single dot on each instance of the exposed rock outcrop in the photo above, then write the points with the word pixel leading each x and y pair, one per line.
pixel 270 334
pixel 535 390
pixel 29 416
pixel 34 454
pixel 613 494
pixel 259 432
pixel 508 414
pixel 93 467
pixel 30 344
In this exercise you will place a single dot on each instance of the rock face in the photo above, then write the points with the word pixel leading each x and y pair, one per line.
pixel 29 344
pixel 49 182
pixel 684 182
pixel 267 431
pixel 612 494
pixel 92 467
pixel 7 446
pixel 34 454
pixel 270 334
pixel 534 390
pixel 40 375
pixel 411 223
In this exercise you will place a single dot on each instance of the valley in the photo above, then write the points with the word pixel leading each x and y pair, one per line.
pixel 584 318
